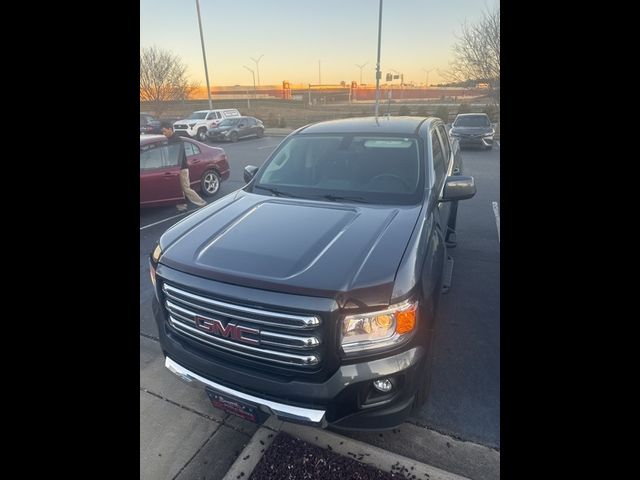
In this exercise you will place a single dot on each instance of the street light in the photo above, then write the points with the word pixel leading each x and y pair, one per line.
pixel 204 55
pixel 254 82
pixel 257 66
pixel 361 67
pixel 426 83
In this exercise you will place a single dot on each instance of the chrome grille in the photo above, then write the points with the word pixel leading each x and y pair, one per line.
pixel 281 338
pixel 181 126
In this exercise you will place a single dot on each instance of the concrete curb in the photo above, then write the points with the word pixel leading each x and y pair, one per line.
pixel 368 454
pixel 253 452
pixel 277 132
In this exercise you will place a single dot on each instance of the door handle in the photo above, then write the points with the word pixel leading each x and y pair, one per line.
pixel 170 174
pixel 195 161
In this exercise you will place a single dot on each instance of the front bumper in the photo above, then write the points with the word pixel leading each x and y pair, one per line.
pixel 185 133
pixel 344 399
pixel 475 141
pixel 217 136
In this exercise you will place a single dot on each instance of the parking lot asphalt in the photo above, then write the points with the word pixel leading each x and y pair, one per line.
pixel 465 392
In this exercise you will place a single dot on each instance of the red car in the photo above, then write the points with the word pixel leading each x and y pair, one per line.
pixel 160 172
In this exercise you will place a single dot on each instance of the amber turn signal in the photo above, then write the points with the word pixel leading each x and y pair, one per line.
pixel 406 320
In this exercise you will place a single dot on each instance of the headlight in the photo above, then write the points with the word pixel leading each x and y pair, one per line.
pixel 155 257
pixel 454 134
pixel 489 134
pixel 377 330
pixel 157 252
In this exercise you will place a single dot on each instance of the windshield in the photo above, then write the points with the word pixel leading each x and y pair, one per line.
pixel 472 121
pixel 197 116
pixel 229 122
pixel 358 168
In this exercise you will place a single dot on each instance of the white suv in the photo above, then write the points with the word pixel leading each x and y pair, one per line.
pixel 197 124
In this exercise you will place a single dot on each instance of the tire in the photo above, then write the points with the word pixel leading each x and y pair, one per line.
pixel 431 309
pixel 489 147
pixel 260 133
pixel 424 387
pixel 233 137
pixel 202 135
pixel 210 183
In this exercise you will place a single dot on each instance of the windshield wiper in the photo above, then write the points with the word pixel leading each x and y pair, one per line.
pixel 334 198
pixel 275 191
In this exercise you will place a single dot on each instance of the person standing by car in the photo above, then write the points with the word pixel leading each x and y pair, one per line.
pixel 185 183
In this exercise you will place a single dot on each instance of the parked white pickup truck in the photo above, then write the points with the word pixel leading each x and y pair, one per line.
pixel 197 124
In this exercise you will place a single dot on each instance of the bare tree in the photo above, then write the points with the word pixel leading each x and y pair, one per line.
pixel 162 78
pixel 477 53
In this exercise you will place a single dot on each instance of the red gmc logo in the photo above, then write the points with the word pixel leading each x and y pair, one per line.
pixel 215 327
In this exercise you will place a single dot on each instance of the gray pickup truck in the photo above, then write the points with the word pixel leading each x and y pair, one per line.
pixel 311 293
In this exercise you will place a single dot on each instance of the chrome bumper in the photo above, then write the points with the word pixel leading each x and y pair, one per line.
pixel 282 411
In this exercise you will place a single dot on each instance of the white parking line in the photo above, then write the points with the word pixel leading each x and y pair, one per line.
pixel 162 221
pixel 496 212
pixel 498 142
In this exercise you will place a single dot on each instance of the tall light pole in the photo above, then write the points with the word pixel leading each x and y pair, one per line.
pixel 319 74
pixel 204 55
pixel 254 80
pixel 361 67
pixel 378 74
pixel 257 66
pixel 426 80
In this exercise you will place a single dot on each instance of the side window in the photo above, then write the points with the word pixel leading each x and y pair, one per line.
pixel 211 115
pixel 190 149
pixel 438 157
pixel 153 158
pixel 218 115
pixel 445 145
pixel 171 159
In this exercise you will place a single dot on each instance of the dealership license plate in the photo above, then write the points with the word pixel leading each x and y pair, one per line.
pixel 235 407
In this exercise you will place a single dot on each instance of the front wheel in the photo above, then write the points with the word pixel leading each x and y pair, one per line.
pixel 233 137
pixel 210 183
pixel 260 133
pixel 202 134
pixel 431 310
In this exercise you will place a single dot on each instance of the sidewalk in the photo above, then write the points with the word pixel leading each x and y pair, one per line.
pixel 183 437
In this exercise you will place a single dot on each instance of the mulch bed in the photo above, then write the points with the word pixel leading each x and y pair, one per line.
pixel 291 459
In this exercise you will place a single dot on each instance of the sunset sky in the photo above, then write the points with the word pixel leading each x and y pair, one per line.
pixel 294 35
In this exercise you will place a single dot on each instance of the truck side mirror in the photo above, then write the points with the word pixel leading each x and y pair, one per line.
pixel 249 172
pixel 458 187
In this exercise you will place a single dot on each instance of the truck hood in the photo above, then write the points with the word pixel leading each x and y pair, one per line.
pixel 327 249
pixel 185 120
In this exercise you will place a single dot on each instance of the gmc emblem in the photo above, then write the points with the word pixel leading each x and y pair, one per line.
pixel 215 327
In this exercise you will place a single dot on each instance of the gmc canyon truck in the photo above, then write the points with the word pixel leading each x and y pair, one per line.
pixel 311 293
